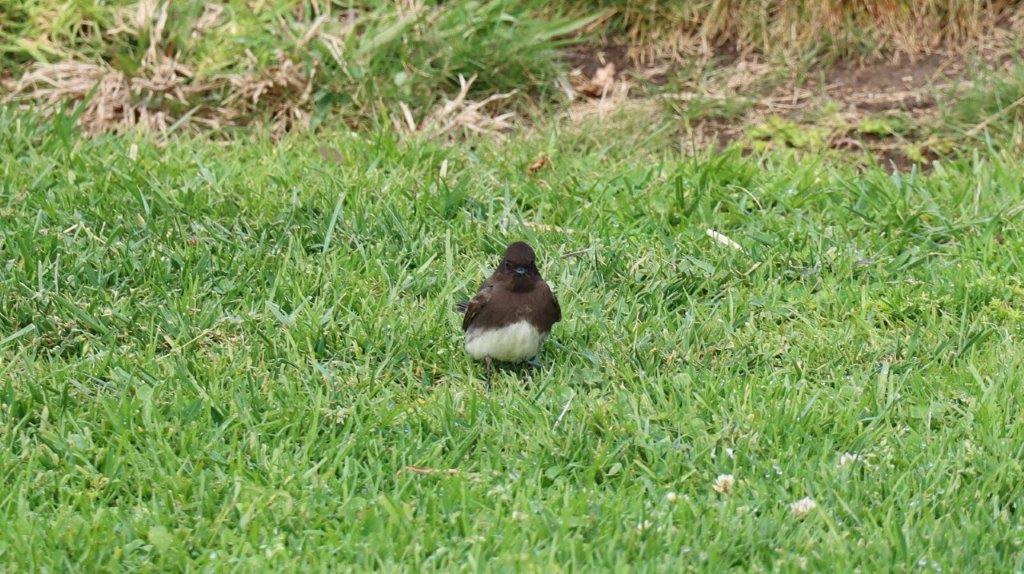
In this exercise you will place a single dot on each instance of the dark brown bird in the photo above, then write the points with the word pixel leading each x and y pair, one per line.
pixel 513 311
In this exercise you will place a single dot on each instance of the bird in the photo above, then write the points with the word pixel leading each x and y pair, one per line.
pixel 512 313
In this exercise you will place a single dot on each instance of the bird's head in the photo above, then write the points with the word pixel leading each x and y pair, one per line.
pixel 520 265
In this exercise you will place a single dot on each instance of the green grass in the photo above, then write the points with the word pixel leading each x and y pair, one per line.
pixel 224 357
pixel 992 109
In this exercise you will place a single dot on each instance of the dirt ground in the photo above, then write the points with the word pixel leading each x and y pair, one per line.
pixel 884 108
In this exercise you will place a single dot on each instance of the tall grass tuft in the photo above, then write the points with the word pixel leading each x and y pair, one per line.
pixel 867 28
pixel 194 64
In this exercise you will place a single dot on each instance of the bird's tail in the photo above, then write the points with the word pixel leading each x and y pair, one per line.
pixel 461 306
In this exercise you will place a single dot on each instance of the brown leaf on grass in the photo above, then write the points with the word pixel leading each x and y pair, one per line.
pixel 430 471
pixel 540 163
pixel 600 84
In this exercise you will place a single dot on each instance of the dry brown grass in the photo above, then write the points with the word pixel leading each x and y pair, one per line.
pixel 459 116
pixel 176 66
pixel 790 29
pixel 167 84
pixel 164 94
pixel 114 102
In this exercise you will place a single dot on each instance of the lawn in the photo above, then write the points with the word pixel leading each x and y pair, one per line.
pixel 244 356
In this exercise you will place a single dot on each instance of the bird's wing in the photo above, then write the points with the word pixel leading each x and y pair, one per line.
pixel 558 308
pixel 474 306
pixel 461 306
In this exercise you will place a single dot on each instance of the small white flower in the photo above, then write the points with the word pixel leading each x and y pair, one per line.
pixel 803 506
pixel 724 483
pixel 846 459
pixel 641 526
pixel 671 497
pixel 729 453
pixel 518 516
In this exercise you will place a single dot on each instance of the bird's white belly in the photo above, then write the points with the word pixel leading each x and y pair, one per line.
pixel 515 342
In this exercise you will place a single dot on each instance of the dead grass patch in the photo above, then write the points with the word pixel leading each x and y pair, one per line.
pixel 164 94
pixel 142 66
pixel 791 29
pixel 166 97
pixel 459 116
pixel 165 66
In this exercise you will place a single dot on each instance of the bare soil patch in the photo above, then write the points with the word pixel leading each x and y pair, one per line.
pixel 888 109
pixel 887 86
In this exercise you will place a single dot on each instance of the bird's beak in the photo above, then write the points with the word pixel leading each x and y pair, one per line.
pixel 520 271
